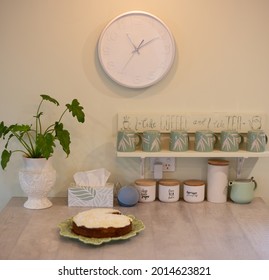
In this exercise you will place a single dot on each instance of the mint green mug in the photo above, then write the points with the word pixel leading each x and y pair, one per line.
pixel 179 141
pixel 151 141
pixel 242 190
pixel 230 140
pixel 127 141
pixel 256 140
pixel 205 140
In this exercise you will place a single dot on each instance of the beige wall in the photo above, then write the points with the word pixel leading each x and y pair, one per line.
pixel 49 46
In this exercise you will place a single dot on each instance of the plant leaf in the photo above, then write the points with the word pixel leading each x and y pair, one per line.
pixel 44 145
pixel 3 130
pixel 48 98
pixel 20 128
pixel 63 136
pixel 77 110
pixel 5 158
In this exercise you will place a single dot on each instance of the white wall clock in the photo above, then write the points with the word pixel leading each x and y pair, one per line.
pixel 136 49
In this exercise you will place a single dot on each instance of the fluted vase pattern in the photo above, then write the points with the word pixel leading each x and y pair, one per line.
pixel 37 178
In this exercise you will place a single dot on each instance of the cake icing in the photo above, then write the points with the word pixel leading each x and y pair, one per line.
pixel 101 218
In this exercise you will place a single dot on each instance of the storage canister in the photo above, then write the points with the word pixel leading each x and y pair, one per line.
pixel 194 190
pixel 169 190
pixel 217 180
pixel 146 189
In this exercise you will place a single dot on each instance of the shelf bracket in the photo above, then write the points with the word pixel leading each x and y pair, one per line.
pixel 240 163
pixel 142 168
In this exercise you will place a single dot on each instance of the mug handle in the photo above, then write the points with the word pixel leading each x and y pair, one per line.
pixel 266 139
pixel 255 183
pixel 241 138
pixel 216 138
pixel 139 141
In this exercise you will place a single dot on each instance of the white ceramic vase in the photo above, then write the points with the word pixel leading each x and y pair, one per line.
pixel 37 179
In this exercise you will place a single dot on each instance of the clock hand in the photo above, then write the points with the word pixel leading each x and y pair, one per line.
pixel 132 55
pixel 141 45
pixel 130 58
pixel 136 49
pixel 128 36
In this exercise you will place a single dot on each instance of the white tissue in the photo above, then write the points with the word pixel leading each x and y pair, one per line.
pixel 92 178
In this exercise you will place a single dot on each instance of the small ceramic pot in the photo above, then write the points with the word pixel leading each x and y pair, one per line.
pixel 168 190
pixel 194 191
pixel 242 190
pixel 146 189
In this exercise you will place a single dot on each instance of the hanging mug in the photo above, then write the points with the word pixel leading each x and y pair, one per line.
pixel 256 141
pixel 242 190
pixel 179 141
pixel 205 140
pixel 127 141
pixel 230 140
pixel 151 141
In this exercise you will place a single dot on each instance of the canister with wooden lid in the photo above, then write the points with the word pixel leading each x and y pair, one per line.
pixel 169 190
pixel 146 189
pixel 217 180
pixel 194 190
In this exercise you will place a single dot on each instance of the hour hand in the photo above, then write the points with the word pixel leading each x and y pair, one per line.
pixel 136 48
pixel 141 45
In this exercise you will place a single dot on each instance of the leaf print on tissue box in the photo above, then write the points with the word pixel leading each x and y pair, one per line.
pixel 91 196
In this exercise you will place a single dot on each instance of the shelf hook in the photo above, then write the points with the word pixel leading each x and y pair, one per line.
pixel 240 163
pixel 142 168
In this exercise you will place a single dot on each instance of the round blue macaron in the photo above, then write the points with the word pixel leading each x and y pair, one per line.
pixel 128 196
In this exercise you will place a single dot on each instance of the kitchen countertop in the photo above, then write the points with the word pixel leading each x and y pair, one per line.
pixel 178 230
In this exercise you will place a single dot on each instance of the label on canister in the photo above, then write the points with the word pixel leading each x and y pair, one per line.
pixel 194 190
pixel 169 190
pixel 146 189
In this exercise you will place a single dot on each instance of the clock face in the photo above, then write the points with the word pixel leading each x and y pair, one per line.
pixel 136 49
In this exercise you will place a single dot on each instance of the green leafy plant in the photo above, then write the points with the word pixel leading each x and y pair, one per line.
pixel 36 141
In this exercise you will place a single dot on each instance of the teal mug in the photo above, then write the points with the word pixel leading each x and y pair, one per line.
pixel 151 141
pixel 230 140
pixel 256 140
pixel 179 141
pixel 127 141
pixel 205 140
pixel 242 190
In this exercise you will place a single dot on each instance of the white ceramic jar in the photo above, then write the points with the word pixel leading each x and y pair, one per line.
pixel 217 180
pixel 168 190
pixel 194 190
pixel 146 189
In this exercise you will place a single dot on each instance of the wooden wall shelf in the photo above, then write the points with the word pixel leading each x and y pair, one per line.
pixel 241 155
pixel 194 154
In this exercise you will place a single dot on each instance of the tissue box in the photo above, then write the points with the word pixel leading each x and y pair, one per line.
pixel 91 196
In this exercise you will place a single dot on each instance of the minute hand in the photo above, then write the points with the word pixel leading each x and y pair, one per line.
pixel 145 44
